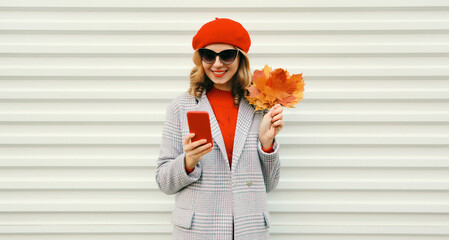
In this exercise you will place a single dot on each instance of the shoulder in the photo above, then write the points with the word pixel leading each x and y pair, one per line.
pixel 180 102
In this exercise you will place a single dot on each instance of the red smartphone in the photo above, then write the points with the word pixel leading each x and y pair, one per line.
pixel 199 124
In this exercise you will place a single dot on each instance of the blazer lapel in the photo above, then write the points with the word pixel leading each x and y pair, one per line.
pixel 244 121
pixel 204 105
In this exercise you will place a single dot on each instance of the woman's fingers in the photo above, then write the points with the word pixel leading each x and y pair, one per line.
pixel 276 109
pixel 193 145
pixel 188 138
pixel 197 154
pixel 195 150
pixel 200 149
pixel 277 117
pixel 278 123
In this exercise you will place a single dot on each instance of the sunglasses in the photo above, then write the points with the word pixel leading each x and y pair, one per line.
pixel 226 56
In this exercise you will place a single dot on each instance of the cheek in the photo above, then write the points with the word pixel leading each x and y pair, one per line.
pixel 234 69
pixel 204 66
pixel 207 70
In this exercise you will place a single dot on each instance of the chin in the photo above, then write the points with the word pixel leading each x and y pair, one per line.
pixel 221 82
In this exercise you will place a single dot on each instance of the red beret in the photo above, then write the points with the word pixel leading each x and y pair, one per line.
pixel 222 30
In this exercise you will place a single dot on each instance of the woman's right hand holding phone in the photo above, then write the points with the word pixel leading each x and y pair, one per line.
pixel 195 150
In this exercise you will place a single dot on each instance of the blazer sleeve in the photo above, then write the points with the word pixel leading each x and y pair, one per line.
pixel 171 175
pixel 271 166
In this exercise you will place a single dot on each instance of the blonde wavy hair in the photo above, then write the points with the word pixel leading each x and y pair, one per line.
pixel 199 81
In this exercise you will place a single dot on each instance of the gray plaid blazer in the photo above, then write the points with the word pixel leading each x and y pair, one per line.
pixel 217 201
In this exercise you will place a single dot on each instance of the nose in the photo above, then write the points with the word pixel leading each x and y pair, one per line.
pixel 217 62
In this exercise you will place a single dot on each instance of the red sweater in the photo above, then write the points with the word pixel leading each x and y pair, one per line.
pixel 226 113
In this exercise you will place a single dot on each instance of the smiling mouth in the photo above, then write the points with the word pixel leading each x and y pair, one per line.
pixel 218 74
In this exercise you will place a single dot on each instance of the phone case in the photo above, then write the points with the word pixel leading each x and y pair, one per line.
pixel 199 124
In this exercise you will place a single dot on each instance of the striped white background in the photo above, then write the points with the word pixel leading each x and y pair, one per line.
pixel 84 86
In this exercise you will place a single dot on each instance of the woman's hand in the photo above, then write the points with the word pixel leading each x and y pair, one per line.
pixel 271 125
pixel 195 150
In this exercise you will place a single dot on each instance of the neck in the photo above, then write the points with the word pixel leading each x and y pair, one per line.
pixel 223 88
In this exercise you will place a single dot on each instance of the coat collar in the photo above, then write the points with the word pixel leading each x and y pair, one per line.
pixel 244 120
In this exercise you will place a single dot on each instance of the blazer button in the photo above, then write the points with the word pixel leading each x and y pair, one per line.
pixel 249 183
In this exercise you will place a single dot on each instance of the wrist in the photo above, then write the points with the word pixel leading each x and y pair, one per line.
pixel 187 164
pixel 267 143
pixel 189 170
pixel 268 150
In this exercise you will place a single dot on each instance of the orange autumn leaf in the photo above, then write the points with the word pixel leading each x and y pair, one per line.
pixel 270 87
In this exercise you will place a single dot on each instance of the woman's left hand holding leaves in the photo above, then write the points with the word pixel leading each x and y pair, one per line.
pixel 272 123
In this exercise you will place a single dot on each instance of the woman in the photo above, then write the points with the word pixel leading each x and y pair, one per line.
pixel 220 189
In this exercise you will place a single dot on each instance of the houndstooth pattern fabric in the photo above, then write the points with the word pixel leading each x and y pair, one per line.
pixel 217 201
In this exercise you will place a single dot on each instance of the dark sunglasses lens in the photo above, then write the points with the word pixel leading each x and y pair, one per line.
pixel 228 56
pixel 207 55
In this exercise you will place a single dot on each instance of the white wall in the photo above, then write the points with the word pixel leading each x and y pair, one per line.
pixel 84 86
